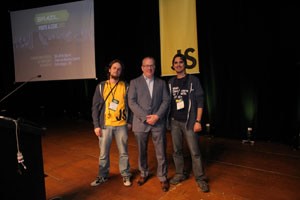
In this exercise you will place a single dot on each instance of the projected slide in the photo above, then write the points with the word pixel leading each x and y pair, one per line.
pixel 56 42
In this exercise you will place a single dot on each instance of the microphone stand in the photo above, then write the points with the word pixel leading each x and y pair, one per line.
pixel 38 76
pixel 20 157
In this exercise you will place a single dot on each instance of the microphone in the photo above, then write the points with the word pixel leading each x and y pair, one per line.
pixel 37 76
pixel 7 118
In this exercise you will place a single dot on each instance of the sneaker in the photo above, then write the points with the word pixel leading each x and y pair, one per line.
pixel 178 178
pixel 98 181
pixel 203 185
pixel 126 181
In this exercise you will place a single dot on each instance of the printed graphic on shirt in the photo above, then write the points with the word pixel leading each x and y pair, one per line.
pixel 115 113
pixel 179 93
pixel 179 96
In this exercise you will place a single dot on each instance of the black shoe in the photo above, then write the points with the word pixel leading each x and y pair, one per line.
pixel 142 180
pixel 203 185
pixel 98 181
pixel 165 186
pixel 178 178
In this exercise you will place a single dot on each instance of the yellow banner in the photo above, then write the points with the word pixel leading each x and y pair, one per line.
pixel 178 33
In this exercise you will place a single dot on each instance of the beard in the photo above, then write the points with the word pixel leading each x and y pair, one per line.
pixel 114 77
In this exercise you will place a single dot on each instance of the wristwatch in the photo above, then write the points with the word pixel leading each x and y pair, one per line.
pixel 198 121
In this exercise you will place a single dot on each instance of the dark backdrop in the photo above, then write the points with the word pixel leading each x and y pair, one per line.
pixel 248 53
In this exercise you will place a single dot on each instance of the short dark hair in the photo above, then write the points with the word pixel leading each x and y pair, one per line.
pixel 180 55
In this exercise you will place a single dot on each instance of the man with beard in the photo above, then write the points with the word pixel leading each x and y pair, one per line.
pixel 111 118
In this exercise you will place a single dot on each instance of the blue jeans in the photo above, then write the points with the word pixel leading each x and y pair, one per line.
pixel 121 137
pixel 178 131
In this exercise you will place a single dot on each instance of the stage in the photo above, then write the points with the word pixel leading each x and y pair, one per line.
pixel 264 170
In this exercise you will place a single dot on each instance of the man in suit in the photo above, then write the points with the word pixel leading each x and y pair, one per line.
pixel 149 100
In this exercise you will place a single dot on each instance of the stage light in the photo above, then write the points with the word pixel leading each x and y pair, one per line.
pixel 208 130
pixel 249 137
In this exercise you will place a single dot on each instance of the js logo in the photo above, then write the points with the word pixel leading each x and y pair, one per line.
pixel 122 115
pixel 188 57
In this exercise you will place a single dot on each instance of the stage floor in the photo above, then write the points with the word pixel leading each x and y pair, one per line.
pixel 236 171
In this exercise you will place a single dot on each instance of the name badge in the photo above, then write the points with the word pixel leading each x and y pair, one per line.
pixel 113 105
pixel 179 104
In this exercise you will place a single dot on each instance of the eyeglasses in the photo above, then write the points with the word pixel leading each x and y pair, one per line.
pixel 149 66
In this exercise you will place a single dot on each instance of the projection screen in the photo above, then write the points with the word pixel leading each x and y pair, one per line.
pixel 54 42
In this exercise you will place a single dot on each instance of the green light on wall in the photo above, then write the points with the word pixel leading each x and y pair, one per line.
pixel 249 108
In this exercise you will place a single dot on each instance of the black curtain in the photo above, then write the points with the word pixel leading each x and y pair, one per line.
pixel 248 53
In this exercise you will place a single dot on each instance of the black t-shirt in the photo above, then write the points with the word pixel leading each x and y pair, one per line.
pixel 180 92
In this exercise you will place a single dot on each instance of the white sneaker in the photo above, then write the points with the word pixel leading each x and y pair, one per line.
pixel 126 181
